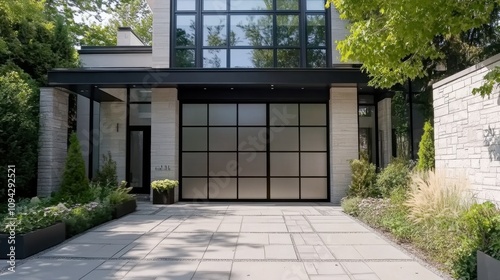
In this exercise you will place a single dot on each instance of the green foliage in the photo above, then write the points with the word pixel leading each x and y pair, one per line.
pixel 81 218
pixel 395 176
pixel 492 78
pixel 350 205
pixel 401 121
pixel 426 149
pixel 18 129
pixel 32 219
pixel 106 175
pixel 74 179
pixel 479 229
pixel 163 185
pixel 387 37
pixel 363 179
pixel 120 195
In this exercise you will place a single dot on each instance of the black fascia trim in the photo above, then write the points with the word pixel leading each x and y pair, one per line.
pixel 151 77
pixel 115 49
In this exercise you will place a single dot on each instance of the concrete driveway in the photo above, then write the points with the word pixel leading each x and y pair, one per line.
pixel 226 241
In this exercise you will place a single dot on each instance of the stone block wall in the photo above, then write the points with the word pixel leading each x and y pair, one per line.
pixel 385 127
pixel 53 139
pixel 343 139
pixel 165 135
pixel 467 130
pixel 161 33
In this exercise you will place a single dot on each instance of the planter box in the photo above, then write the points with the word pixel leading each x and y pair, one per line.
pixel 488 268
pixel 165 197
pixel 33 242
pixel 124 208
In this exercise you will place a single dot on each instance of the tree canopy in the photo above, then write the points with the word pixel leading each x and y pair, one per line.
pixel 397 40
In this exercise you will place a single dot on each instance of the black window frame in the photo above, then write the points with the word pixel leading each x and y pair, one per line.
pixel 199 47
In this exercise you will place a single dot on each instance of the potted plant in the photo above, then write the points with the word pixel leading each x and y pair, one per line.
pixel 122 202
pixel 30 232
pixel 163 191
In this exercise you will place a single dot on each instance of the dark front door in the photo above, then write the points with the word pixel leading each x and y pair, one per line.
pixel 139 159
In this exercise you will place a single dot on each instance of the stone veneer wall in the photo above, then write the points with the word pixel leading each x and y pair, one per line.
pixel 343 139
pixel 467 130
pixel 53 141
pixel 385 126
pixel 161 33
pixel 338 32
pixel 165 135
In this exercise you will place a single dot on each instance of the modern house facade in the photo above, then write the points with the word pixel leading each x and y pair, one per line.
pixel 238 100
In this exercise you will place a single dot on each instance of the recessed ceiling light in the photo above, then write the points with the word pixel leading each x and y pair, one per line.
pixel 232 88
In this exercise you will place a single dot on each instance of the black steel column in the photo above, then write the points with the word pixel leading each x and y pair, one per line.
pixel 410 125
pixel 91 132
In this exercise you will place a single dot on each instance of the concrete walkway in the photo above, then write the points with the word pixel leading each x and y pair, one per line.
pixel 226 241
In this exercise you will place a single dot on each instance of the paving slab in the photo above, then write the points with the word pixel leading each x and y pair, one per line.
pixel 281 241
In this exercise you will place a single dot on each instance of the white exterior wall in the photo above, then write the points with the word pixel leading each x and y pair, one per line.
pixel 52 139
pixel 113 114
pixel 385 127
pixel 467 130
pixel 161 33
pixel 343 139
pixel 165 135
pixel 117 60
pixel 126 37
pixel 338 32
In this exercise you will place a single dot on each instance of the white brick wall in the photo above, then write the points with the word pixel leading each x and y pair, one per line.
pixel 338 32
pixel 461 121
pixel 343 138
pixel 161 33
pixel 165 135
pixel 113 113
pixel 52 140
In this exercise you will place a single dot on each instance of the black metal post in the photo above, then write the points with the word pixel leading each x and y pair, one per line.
pixel 410 102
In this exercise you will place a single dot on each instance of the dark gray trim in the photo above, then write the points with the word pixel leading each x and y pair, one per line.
pixel 151 77
pixel 115 49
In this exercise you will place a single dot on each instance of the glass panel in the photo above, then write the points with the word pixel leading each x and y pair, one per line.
pixel 194 164
pixel 140 95
pixel 214 30
pixel 287 5
pixel 222 138
pixel 284 139
pixel 194 114
pixel 185 33
pixel 194 139
pixel 222 164
pixel 284 188
pixel 136 158
pixel 222 188
pixel 366 121
pixel 246 5
pixel 186 5
pixel 315 5
pixel 314 188
pixel 214 58
pixel 259 58
pixel 283 114
pixel 252 139
pixel 313 138
pixel 312 114
pixel 251 30
pixel 214 5
pixel 184 58
pixel 366 99
pixel 313 164
pixel 140 114
pixel 316 31
pixel 316 58
pixel 222 114
pixel 252 188
pixel 252 114
pixel 252 164
pixel 194 188
pixel 288 58
pixel 284 164
pixel 288 30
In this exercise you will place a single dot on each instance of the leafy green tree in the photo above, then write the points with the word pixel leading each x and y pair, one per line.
pixel 397 40
pixel 18 128
pixel 106 175
pixel 426 149
pixel 74 179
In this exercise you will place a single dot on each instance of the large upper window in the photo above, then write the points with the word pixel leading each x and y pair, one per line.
pixel 249 33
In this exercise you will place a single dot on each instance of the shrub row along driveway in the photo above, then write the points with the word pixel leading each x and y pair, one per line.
pixel 226 241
